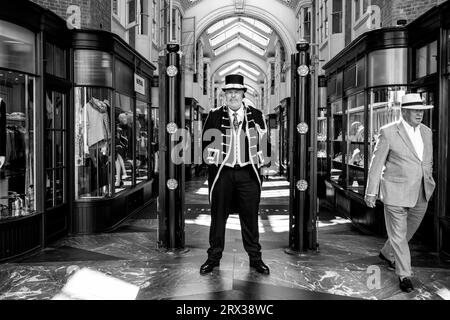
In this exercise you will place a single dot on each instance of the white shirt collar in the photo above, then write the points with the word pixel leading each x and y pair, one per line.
pixel 240 113
pixel 409 127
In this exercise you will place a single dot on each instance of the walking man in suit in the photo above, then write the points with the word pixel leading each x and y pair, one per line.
pixel 400 173
pixel 234 158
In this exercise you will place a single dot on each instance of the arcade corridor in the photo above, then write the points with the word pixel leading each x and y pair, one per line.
pixel 338 271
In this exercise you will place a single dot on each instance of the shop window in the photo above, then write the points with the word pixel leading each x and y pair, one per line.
pixel 142 141
pixel 124 157
pixel 55 60
pixel 55 148
pixel 337 16
pixel 426 60
pixel 339 80
pixel 350 77
pixel 331 85
pixel 92 142
pixel 384 108
pixel 154 155
pixel 17 175
pixel 360 72
pixel 124 77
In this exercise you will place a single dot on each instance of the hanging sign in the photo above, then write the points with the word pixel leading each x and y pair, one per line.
pixel 139 84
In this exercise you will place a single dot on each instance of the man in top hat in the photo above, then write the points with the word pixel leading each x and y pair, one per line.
pixel 400 173
pixel 237 133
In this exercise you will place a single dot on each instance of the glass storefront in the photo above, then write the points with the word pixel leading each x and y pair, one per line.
pixel 123 160
pixel 142 141
pixel 111 127
pixel 17 170
pixel 92 142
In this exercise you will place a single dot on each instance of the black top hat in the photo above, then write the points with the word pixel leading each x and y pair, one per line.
pixel 234 81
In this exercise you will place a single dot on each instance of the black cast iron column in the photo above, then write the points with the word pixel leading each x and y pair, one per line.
pixel 171 185
pixel 299 152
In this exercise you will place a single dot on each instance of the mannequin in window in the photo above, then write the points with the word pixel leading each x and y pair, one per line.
pixel 122 144
pixel 98 138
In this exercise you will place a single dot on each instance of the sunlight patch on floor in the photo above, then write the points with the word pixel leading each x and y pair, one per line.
pixel 333 222
pixel 233 222
pixel 275 193
pixel 275 184
pixel 279 223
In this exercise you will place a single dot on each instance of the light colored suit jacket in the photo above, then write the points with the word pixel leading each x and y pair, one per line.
pixel 395 171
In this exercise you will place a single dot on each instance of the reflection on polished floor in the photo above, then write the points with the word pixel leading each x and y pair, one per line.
pixel 341 270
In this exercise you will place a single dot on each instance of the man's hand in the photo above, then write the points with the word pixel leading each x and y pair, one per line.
pixel 370 200
pixel 2 161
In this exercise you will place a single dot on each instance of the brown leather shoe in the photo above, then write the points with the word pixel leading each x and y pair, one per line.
pixel 259 266
pixel 209 266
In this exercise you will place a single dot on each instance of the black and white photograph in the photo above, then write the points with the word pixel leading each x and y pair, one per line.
pixel 224 158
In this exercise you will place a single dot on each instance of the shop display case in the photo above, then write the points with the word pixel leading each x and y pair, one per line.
pixel 336 146
pixel 322 142
pixel 355 144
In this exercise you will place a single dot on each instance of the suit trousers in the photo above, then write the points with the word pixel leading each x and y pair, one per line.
pixel 235 189
pixel 401 225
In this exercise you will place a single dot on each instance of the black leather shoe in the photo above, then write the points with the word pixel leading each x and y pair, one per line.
pixel 208 266
pixel 391 264
pixel 406 285
pixel 259 266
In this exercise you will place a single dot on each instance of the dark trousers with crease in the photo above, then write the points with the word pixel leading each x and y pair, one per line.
pixel 235 188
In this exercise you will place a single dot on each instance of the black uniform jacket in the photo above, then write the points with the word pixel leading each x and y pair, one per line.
pixel 216 143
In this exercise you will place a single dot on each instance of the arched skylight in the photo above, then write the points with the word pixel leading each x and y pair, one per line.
pixel 248 32
pixel 258 24
pixel 239 64
pixel 239 41
pixel 220 24
pixel 241 29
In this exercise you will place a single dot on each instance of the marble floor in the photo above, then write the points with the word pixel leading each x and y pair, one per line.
pixel 346 266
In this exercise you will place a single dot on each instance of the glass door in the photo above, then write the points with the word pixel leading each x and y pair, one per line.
pixel 55 149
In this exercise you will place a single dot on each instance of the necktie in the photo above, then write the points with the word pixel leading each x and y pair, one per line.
pixel 235 121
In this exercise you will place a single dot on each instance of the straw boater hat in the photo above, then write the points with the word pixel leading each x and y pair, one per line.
pixel 414 101
pixel 234 81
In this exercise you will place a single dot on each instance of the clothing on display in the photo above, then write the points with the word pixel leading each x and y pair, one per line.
pixel 93 147
pixel 97 122
pixel 14 185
